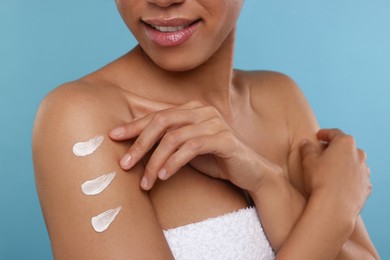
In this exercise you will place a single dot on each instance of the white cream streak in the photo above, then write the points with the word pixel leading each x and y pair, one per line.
pixel 88 147
pixel 96 186
pixel 102 221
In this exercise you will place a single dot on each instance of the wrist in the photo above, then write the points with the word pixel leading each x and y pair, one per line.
pixel 271 179
pixel 333 209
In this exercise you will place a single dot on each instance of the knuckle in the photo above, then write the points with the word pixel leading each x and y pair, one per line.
pixel 348 140
pixel 370 189
pixel 195 144
pixel 171 163
pixel 171 138
pixel 160 119
pixel 134 128
pixel 362 154
pixel 216 123
pixel 338 130
pixel 138 145
pixel 212 111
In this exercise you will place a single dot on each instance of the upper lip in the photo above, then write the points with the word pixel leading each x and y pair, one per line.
pixel 169 22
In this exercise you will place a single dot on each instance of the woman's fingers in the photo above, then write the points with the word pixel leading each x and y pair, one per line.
pixel 160 124
pixel 182 133
pixel 363 158
pixel 150 135
pixel 135 127
pixel 172 148
pixel 362 155
pixel 347 143
pixel 173 140
pixel 130 130
pixel 308 149
pixel 210 144
pixel 337 139
pixel 200 145
pixel 327 135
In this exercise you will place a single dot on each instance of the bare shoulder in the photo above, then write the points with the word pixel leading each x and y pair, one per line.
pixel 71 115
pixel 281 93
pixel 76 110
pixel 81 94
pixel 272 85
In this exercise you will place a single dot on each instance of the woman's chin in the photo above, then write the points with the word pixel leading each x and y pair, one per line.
pixel 176 66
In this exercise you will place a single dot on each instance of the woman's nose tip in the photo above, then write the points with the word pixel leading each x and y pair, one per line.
pixel 165 3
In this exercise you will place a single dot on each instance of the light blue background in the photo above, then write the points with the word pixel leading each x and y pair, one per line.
pixel 337 50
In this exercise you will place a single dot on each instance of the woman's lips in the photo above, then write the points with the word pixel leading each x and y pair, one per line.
pixel 170 32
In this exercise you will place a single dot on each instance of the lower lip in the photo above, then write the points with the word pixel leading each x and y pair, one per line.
pixel 168 39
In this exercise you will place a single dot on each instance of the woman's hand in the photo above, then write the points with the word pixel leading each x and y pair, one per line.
pixel 194 134
pixel 339 172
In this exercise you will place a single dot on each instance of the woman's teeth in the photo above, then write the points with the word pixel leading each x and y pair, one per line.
pixel 168 28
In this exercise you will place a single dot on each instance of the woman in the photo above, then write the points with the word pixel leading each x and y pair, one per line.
pixel 195 140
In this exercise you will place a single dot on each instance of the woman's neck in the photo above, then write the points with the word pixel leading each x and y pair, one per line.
pixel 211 83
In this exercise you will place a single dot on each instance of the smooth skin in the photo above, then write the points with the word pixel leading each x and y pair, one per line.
pixel 216 132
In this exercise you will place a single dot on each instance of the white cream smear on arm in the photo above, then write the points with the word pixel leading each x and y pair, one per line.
pixel 102 221
pixel 88 147
pixel 93 187
pixel 96 186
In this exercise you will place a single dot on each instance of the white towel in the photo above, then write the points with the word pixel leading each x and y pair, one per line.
pixel 236 235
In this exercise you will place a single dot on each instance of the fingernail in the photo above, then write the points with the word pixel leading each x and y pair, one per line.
pixel 117 131
pixel 144 183
pixel 162 174
pixel 125 161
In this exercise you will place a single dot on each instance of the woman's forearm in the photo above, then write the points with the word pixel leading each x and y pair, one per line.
pixel 300 229
pixel 320 233
pixel 279 206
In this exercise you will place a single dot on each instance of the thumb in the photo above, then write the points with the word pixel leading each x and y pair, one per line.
pixel 308 149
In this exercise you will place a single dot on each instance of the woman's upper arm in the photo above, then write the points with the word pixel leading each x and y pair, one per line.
pixel 66 117
pixel 303 125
